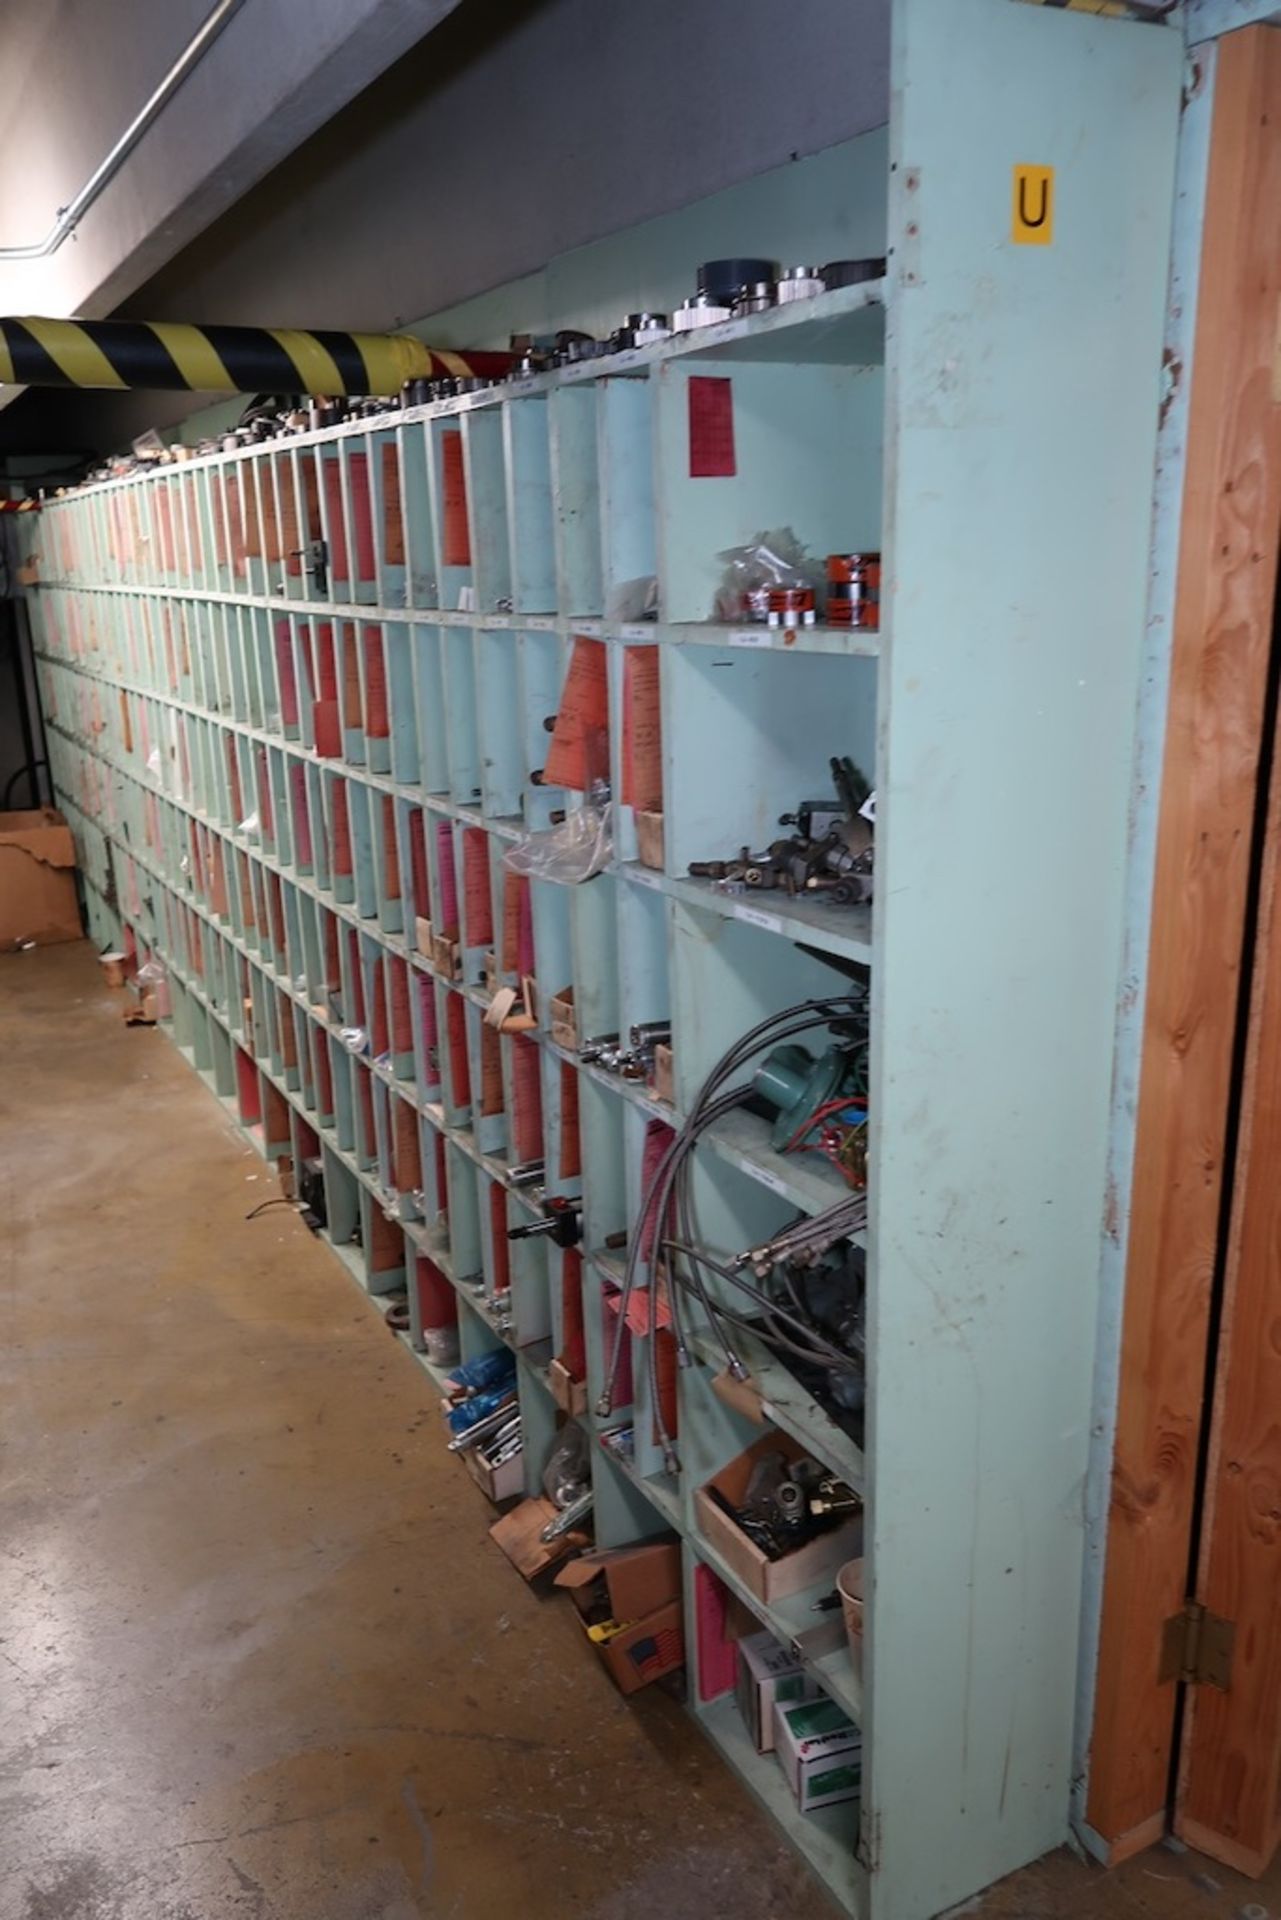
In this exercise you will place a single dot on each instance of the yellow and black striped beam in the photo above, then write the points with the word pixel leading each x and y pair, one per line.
pixel 160 354
pixel 1110 9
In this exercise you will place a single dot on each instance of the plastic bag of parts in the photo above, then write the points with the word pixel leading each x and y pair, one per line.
pixel 581 845
pixel 153 974
pixel 355 1039
pixel 633 600
pixel 250 826
pixel 567 1475
pixel 773 563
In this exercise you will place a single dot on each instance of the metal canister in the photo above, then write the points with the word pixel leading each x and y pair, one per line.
pixel 854 590
pixel 798 283
pixel 755 297
pixel 700 310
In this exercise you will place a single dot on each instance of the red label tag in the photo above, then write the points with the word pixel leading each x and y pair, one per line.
pixel 711 429
pixel 455 539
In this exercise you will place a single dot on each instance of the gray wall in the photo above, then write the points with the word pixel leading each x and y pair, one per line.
pixel 518 130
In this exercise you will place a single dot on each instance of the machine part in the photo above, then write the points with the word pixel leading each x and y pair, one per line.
pixel 640 330
pixel 721 280
pixel 798 1086
pixel 591 1050
pixel 562 1223
pixel 648 1034
pixel 833 1496
pixel 311 1191
pixel 165 355
pixel 570 1519
pixel 700 310
pixel 852 273
pixel 854 590
pixel 787 604
pixel 668 1198
pixel 815 819
pixel 806 1241
pixel 788 1503
pixel 756 296
pixel 798 283
pixel 528 1173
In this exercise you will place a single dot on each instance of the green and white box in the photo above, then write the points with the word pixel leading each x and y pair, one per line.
pixel 820 1750
pixel 768 1673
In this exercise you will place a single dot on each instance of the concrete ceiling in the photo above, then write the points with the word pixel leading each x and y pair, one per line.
pixel 74 72
pixel 517 130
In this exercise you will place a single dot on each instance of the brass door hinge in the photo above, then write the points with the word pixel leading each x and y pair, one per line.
pixel 1196 1647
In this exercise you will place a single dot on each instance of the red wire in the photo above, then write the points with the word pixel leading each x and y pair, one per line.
pixel 828 1108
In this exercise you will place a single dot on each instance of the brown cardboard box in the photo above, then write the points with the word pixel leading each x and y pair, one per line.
pixel 500 1483
pixel 37 879
pixel 649 839
pixel 562 1020
pixel 446 955
pixel 770 1580
pixel 569 1394
pixel 641 1587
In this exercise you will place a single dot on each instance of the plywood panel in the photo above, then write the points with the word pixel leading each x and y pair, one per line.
pixel 1221 641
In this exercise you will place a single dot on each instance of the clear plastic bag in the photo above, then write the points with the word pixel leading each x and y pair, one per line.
pixel 633 600
pixel 355 1039
pixel 581 845
pixel 567 1475
pixel 771 562
pixel 152 973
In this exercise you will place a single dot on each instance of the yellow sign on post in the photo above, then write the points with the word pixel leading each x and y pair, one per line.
pixel 1033 224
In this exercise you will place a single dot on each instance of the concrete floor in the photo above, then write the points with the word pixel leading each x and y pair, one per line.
pixel 258 1658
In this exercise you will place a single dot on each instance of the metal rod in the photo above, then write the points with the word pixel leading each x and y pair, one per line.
pixel 69 217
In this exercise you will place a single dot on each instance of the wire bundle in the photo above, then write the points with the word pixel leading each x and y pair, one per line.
pixel 667 1197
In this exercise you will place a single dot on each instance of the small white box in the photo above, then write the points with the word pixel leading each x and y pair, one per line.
pixel 820 1750
pixel 768 1672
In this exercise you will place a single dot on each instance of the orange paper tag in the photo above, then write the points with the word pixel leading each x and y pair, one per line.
pixel 579 751
pixel 642 731
pixel 455 537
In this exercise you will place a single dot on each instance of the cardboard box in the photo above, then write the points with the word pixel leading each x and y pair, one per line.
pixel 569 1394
pixel 423 935
pixel 500 1483
pixel 446 955
pixel 770 1579
pixel 518 1535
pixel 649 839
pixel 769 1673
pixel 629 1603
pixel 662 1078
pixel 820 1751
pixel 38 902
pixel 563 1020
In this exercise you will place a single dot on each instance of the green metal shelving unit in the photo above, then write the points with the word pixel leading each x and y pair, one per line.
pixel 986 416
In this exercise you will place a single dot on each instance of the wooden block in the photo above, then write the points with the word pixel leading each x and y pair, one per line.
pixel 649 840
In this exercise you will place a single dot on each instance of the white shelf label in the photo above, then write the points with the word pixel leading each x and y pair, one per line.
pixel 750 636
pixel 645 876
pixel 768 1178
pixel 754 918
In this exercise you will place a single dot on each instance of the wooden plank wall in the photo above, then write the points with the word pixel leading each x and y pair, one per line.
pixel 1221 646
